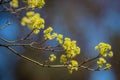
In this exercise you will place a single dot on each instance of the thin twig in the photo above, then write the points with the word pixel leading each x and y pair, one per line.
pixel 43 65
pixel 6 9
pixel 17 44
pixel 42 42
pixel 5 25
pixel 22 8
pixel 40 64
pixel 89 60
pixel 5 40
pixel 22 39
pixel 10 42
pixel 28 35
pixel 46 49
pixel 30 45
pixel 90 69
pixel 34 61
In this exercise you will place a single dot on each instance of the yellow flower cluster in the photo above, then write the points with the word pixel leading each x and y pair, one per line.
pixel 36 3
pixel 63 59
pixel 33 21
pixel 14 3
pixel 73 66
pixel 48 35
pixel 107 66
pixel 71 48
pixel 60 38
pixel 52 57
pixel 100 62
pixel 103 63
pixel 104 50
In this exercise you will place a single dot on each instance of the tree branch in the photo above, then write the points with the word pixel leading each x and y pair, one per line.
pixel 45 65
pixel 40 64
pixel 89 60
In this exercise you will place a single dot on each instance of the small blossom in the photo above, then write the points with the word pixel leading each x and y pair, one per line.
pixel 101 62
pixel 36 31
pixel 108 66
pixel 73 66
pixel 63 59
pixel 14 3
pixel 35 3
pixel 33 21
pixel 52 57
pixel 71 48
pixel 60 38
pixel 30 14
pixel 103 49
pixel 53 35
pixel 48 35
pixel 110 54
pixel 48 30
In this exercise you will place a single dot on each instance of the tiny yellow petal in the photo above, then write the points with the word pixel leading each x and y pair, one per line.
pixel 110 54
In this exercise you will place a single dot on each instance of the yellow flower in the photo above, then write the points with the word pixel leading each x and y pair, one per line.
pixel 70 47
pixel 33 21
pixel 73 66
pixel 14 3
pixel 48 35
pixel 67 44
pixel 103 48
pixel 60 38
pixel 108 66
pixel 77 50
pixel 110 54
pixel 53 35
pixel 52 57
pixel 36 31
pixel 24 21
pixel 30 14
pixel 101 62
pixel 35 3
pixel 48 30
pixel 63 59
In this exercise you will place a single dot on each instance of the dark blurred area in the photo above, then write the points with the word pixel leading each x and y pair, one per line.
pixel 86 21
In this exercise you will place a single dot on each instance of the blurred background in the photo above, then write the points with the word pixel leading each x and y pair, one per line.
pixel 86 21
